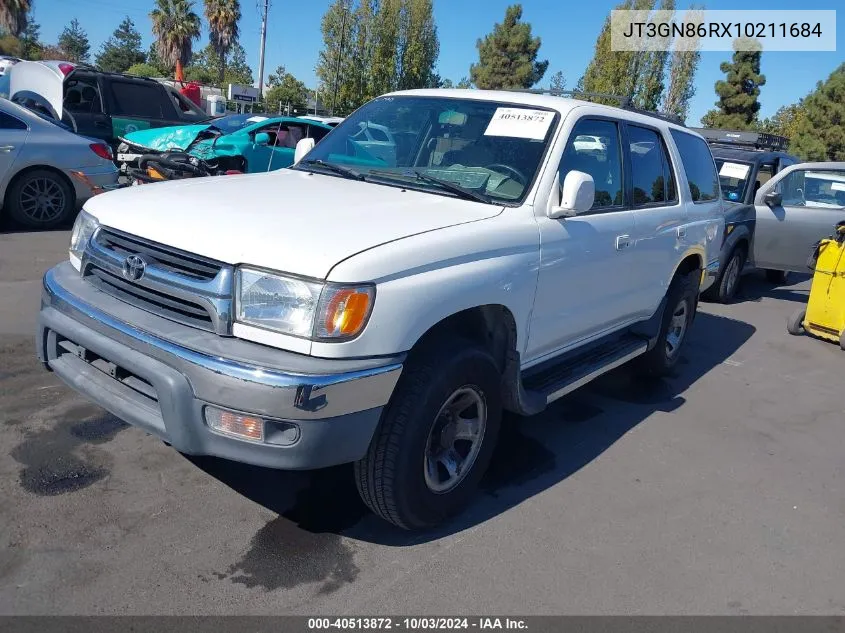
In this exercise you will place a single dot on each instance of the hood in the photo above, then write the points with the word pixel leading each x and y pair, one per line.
pixel 37 79
pixel 162 139
pixel 288 220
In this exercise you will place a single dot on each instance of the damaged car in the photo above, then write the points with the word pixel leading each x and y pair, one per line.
pixel 239 142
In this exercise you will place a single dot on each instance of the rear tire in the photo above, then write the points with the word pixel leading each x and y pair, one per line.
pixel 401 478
pixel 795 322
pixel 777 277
pixel 681 304
pixel 725 288
pixel 40 199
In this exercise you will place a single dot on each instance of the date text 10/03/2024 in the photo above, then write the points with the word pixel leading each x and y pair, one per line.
pixel 417 624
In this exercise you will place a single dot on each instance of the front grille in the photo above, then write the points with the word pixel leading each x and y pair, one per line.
pixel 150 300
pixel 173 284
pixel 169 259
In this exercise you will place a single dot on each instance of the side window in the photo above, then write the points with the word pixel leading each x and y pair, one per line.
pixel 317 133
pixel 82 95
pixel 651 170
pixel 813 188
pixel 140 100
pixel 8 122
pixel 698 166
pixel 764 174
pixel 594 149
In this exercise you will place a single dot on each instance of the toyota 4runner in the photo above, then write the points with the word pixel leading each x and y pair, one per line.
pixel 384 303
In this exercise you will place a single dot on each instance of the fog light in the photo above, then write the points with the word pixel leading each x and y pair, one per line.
pixel 246 427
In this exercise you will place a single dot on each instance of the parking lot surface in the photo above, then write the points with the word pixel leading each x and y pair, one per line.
pixel 718 491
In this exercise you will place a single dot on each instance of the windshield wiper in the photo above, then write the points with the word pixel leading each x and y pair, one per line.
pixel 463 192
pixel 346 172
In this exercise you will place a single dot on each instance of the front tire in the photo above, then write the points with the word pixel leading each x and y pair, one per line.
pixel 435 439
pixel 40 199
pixel 725 288
pixel 681 304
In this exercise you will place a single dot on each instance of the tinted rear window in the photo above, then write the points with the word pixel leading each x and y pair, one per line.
pixel 698 166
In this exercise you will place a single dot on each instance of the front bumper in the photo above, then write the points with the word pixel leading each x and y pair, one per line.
pixel 159 375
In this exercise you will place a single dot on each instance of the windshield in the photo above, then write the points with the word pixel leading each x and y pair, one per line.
pixel 733 176
pixel 235 122
pixel 491 149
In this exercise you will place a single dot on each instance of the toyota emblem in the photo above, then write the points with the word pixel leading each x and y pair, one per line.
pixel 133 267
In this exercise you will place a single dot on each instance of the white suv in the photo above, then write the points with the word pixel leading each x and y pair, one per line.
pixel 386 310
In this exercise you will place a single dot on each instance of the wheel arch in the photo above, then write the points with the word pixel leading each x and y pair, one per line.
pixel 29 169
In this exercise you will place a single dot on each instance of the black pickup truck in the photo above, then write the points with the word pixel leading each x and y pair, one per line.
pixel 99 104
pixel 746 161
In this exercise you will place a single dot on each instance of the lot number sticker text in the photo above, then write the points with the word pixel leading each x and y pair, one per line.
pixel 520 123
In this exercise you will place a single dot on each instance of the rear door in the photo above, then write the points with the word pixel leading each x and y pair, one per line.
pixel 138 105
pixel 812 203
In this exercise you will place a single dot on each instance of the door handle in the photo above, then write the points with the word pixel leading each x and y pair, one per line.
pixel 100 124
pixel 6 148
pixel 622 242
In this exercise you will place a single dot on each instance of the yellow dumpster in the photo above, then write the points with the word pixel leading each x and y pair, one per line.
pixel 824 314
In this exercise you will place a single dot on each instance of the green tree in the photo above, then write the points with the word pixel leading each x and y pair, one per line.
pixel 31 46
pixel 175 26
pixel 739 92
pixel 334 66
pixel 10 45
pixel 785 121
pixel 558 82
pixel 683 64
pixel 122 49
pixel 615 72
pixel 205 67
pixel 386 34
pixel 144 70
pixel 464 83
pixel 648 91
pixel 820 132
pixel 419 46
pixel 13 15
pixel 74 42
pixel 285 89
pixel 507 57
pixel 223 17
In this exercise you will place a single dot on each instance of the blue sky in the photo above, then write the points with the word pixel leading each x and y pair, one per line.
pixel 568 29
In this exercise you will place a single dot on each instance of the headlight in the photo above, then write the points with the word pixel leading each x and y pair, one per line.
pixel 299 307
pixel 83 229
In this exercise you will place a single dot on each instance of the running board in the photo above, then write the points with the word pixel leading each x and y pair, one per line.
pixel 575 372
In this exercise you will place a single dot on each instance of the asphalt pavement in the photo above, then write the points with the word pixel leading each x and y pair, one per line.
pixel 718 491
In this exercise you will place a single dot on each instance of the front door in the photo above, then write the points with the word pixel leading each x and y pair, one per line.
pixel 13 133
pixel 813 201
pixel 83 106
pixel 585 261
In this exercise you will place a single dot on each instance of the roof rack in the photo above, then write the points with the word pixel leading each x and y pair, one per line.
pixel 740 138
pixel 625 102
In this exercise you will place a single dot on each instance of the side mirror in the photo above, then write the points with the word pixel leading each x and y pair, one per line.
pixel 773 199
pixel 577 195
pixel 304 146
pixel 262 138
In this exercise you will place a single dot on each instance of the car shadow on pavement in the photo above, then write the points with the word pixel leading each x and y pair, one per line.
pixel 756 287
pixel 532 455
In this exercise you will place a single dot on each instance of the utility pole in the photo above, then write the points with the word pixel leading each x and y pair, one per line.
pixel 261 52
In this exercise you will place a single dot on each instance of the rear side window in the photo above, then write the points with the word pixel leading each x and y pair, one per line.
pixel 141 100
pixel 8 122
pixel 698 166
pixel 650 168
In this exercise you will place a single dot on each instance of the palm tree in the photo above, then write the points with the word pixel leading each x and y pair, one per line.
pixel 13 15
pixel 223 17
pixel 175 26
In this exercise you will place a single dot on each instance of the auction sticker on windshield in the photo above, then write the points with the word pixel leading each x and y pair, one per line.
pixel 520 123
pixel 734 170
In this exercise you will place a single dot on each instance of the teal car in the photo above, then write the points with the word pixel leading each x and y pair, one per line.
pixel 243 142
